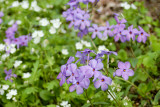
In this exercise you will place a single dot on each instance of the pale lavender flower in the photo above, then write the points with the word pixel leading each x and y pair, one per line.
pixel 62 75
pixel 124 70
pixel 78 86
pixel 83 32
pixel 107 29
pixel 82 21
pixel 103 82
pixel 9 75
pixel 142 35
pixel 120 23
pixel 1 14
pixel 1 20
pixel 130 33
pixel 96 65
pixel 96 31
pixel 118 34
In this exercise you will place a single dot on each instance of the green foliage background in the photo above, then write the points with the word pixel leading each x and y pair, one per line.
pixel 43 88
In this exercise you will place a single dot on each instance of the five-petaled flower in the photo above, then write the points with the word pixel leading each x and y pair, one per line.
pixel 124 70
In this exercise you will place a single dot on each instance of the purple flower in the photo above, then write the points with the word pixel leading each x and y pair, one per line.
pixel 73 73
pixel 62 75
pixel 88 51
pixel 1 21
pixel 103 82
pixel 10 32
pixel 78 85
pixel 82 21
pixel 120 23
pixel 73 3
pixel 70 60
pixel 96 65
pixel 83 32
pixel 9 75
pixel 85 73
pixel 82 57
pixel 1 14
pixel 124 70
pixel 142 35
pixel 96 31
pixel 130 33
pixel 107 29
pixel 87 1
pixel 109 52
pixel 118 35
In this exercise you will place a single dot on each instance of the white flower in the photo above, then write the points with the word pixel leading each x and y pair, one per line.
pixel 64 103
pixel 4 56
pixel 15 4
pixel 24 66
pixel 45 43
pixel 125 5
pixel 11 48
pixel 79 45
pixel 126 103
pixel 110 97
pixel 37 34
pixel 57 106
pixel 87 44
pixel 35 7
pixel 11 22
pixel 25 4
pixel 44 22
pixel 65 51
pixel 32 51
pixel 14 99
pixel 9 95
pixel 17 63
pixel 49 6
pixel 0 62
pixel 26 75
pixel 1 0
pixel 37 40
pixel 38 18
pixel 13 92
pixel 2 47
pixel 133 6
pixel 19 22
pixel 102 47
pixel 88 101
pixel 5 87
pixel 110 44
pixel 56 23
pixel 63 30
pixel 104 37
pixel 1 91
pixel 52 30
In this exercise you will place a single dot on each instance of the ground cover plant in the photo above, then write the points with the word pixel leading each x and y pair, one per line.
pixel 66 53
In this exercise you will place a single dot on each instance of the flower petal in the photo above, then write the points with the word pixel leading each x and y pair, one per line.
pixel 127 65
pixel 130 72
pixel 121 65
pixel 97 84
pixel 119 72
pixel 79 89
pixel 72 88
pixel 104 87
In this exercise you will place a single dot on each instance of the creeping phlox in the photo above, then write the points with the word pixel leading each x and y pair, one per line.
pixel 80 77
pixel 80 19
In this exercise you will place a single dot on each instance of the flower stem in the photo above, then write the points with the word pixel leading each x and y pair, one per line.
pixel 113 98
pixel 93 43
pixel 88 98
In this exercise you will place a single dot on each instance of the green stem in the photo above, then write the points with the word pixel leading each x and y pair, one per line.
pixel 88 98
pixel 113 98
pixel 93 43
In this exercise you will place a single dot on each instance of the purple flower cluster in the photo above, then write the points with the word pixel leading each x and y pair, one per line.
pixel 19 41
pixel 1 15
pixel 80 76
pixel 80 19
pixel 9 75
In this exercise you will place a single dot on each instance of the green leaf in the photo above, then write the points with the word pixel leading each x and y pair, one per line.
pixel 99 103
pixel 122 55
pixel 45 95
pixel 31 90
pixel 86 105
pixel 157 97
